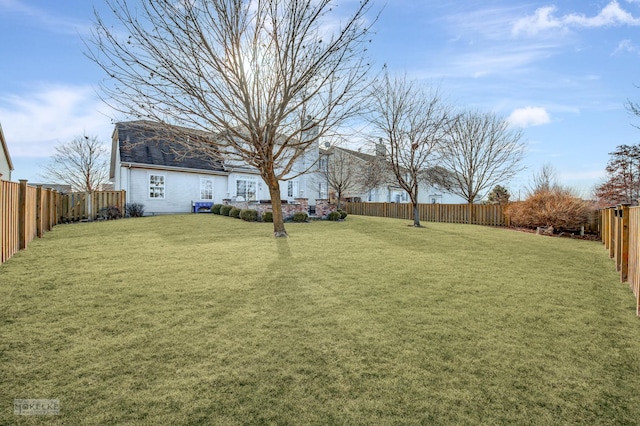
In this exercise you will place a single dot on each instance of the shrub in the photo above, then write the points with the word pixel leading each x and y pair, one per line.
pixel 110 212
pixel 343 214
pixel 234 212
pixel 249 215
pixel 334 216
pixel 224 210
pixel 267 217
pixel 215 209
pixel 134 210
pixel 557 208
pixel 300 217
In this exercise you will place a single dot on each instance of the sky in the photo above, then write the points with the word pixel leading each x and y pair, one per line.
pixel 561 70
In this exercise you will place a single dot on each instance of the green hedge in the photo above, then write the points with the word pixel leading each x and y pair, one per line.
pixel 300 217
pixel 249 215
pixel 334 216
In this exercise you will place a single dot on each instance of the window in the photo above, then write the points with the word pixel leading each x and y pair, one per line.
pixel 322 163
pixel 246 189
pixel 322 191
pixel 435 199
pixel 292 188
pixel 206 189
pixel 156 186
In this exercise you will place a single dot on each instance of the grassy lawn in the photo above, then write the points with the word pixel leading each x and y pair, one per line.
pixel 202 319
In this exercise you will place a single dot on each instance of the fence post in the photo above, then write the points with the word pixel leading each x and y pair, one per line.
pixel 123 201
pixel 2 207
pixel 39 207
pixel 612 231
pixel 89 205
pixel 623 211
pixel 22 215
pixel 618 245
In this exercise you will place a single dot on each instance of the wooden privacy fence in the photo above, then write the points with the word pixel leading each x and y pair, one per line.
pixel 77 206
pixel 620 233
pixel 476 214
pixel 27 212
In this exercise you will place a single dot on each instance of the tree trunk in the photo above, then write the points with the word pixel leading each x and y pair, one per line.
pixel 416 216
pixel 276 204
pixel 414 203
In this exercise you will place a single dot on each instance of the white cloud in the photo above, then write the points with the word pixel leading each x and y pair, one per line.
pixel 34 123
pixel 47 19
pixel 626 46
pixel 529 116
pixel 544 19
pixel 541 20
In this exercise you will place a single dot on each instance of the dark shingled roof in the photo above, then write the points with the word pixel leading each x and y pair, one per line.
pixel 144 142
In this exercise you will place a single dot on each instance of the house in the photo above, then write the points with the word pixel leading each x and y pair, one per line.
pixel 60 187
pixel 374 181
pixel 6 166
pixel 151 164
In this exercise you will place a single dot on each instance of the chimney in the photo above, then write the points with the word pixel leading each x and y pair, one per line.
pixel 381 150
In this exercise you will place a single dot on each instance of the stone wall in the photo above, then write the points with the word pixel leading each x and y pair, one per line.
pixel 323 208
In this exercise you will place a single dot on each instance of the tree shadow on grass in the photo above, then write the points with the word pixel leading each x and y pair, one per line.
pixel 284 252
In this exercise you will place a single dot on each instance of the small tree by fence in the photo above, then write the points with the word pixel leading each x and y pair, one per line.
pixel 27 212
pixel 476 214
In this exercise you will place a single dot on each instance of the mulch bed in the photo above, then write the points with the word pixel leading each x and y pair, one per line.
pixel 577 236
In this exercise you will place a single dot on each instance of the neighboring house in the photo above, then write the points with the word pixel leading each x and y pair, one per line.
pixel 386 189
pixel 61 188
pixel 6 166
pixel 151 164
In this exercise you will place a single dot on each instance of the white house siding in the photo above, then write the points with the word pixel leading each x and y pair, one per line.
pixel 5 158
pixel 5 170
pixel 180 189
pixel 426 195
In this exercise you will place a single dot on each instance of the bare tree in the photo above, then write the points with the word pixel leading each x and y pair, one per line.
pixel 375 171
pixel 341 172
pixel 268 78
pixel 82 163
pixel 544 180
pixel 481 151
pixel 412 122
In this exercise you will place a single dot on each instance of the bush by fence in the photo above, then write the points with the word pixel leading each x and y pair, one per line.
pixel 27 212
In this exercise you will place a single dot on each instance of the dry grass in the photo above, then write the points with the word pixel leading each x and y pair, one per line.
pixel 203 319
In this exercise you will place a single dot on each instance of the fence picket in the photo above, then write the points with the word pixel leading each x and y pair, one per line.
pixel 477 214
pixel 27 212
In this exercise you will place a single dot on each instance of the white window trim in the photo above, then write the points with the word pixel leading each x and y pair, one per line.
pixel 252 180
pixel 203 188
pixel 163 186
pixel 293 189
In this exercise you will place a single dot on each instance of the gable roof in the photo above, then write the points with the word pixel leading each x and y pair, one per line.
pixel 3 143
pixel 360 155
pixel 153 144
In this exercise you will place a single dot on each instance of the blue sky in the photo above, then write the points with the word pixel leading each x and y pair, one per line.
pixel 560 69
